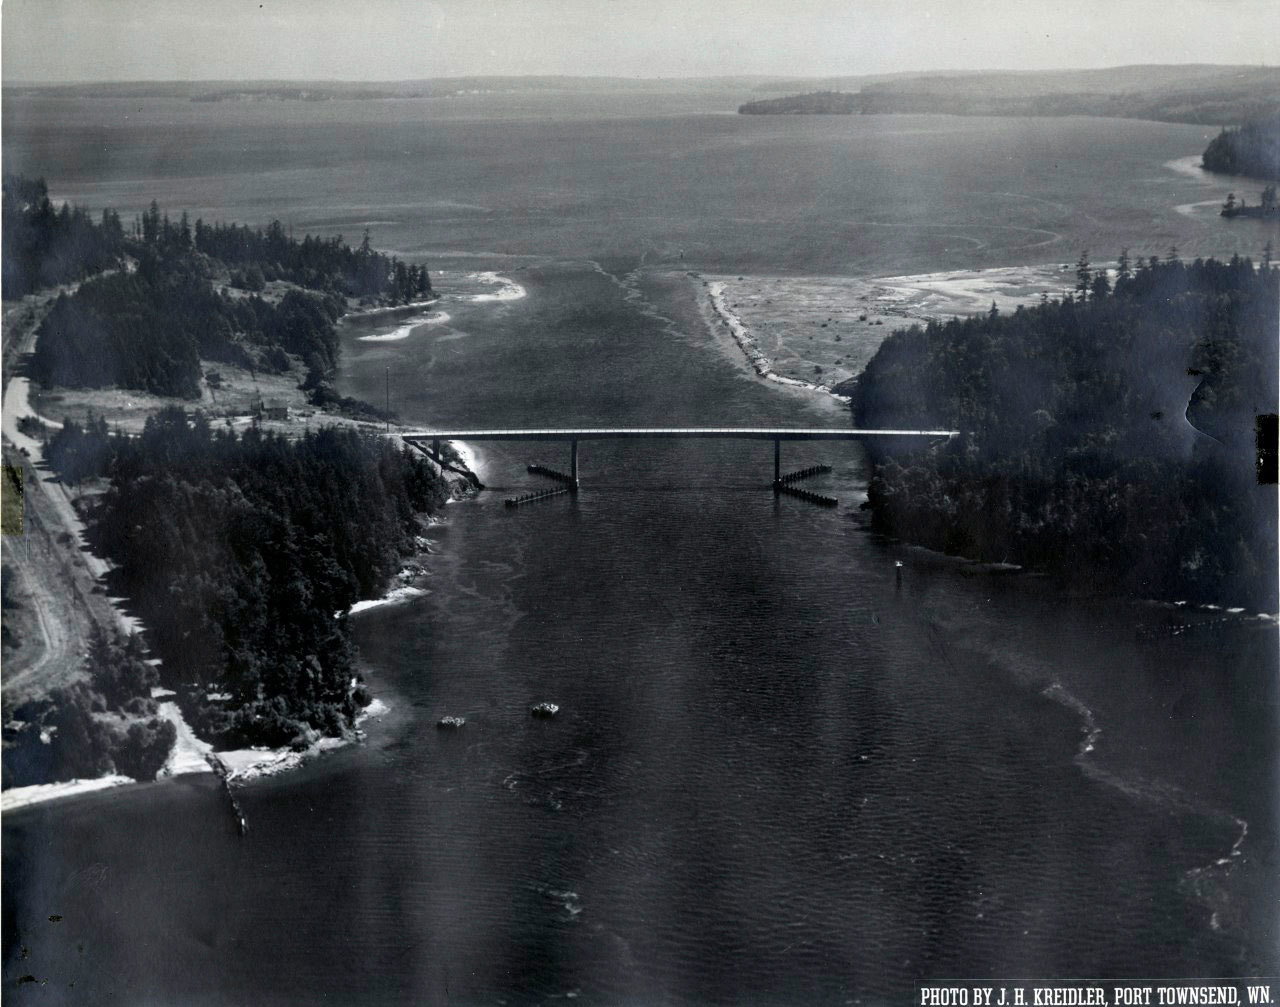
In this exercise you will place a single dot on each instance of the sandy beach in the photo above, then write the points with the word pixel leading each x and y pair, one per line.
pixel 22 797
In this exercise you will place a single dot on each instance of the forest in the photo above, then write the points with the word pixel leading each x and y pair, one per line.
pixel 243 553
pixel 330 266
pixel 1108 437
pixel 150 328
pixel 157 299
pixel 1252 150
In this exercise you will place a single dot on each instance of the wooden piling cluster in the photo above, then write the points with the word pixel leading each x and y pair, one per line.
pixel 812 470
pixel 807 495
pixel 536 495
pixel 542 470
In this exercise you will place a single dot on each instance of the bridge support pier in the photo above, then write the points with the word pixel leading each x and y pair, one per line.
pixel 777 463
pixel 435 450
pixel 573 463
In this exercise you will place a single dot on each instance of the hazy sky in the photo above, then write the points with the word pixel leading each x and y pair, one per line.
pixel 59 40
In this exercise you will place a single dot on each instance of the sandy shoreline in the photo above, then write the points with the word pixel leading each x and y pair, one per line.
pixel 388 308
pixel 758 359
pixel 192 756
pixel 395 596
pixel 403 331
pixel 476 287
pixel 38 793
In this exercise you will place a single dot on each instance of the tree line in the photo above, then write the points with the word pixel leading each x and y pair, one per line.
pixel 327 265
pixel 44 246
pixel 1107 436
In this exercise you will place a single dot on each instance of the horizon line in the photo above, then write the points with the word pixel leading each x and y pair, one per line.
pixel 940 71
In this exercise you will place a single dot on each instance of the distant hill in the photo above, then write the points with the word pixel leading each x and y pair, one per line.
pixel 431 87
pixel 1252 150
pixel 1112 80
pixel 297 94
pixel 818 103
pixel 1205 94
pixel 1193 93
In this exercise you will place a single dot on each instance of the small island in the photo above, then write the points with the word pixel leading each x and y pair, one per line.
pixel 1266 205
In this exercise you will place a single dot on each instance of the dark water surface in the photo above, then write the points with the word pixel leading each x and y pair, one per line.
pixel 777 776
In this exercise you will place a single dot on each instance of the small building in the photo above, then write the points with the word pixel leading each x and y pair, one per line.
pixel 274 409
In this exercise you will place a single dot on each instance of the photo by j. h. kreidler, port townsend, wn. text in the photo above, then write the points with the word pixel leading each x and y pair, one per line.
pixel 677 555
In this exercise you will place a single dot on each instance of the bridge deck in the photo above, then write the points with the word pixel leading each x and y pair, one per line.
pixel 655 433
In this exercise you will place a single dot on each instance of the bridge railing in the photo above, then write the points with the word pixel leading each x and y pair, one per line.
pixel 655 433
pixel 572 435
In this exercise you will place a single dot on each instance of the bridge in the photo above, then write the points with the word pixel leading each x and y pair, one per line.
pixel 422 438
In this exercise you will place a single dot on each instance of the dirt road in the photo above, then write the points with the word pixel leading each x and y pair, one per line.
pixel 51 601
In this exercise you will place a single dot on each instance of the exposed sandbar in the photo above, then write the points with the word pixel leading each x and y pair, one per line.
pixel 817 332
